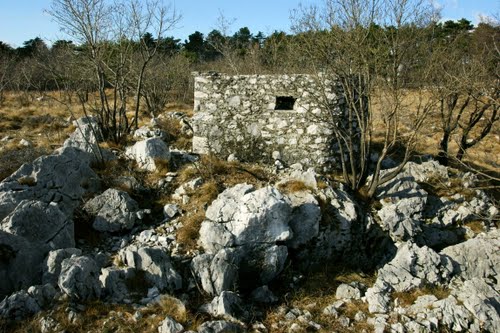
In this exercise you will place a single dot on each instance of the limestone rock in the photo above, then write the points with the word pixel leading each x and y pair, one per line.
pixel 482 301
pixel 346 291
pixel 79 278
pixel 477 258
pixel 86 136
pixel 113 280
pixel 242 216
pixel 155 262
pixel 149 153
pixel 145 132
pixel 114 210
pixel 169 211
pixel 40 222
pixel 378 297
pixel 227 305
pixel 403 203
pixel 52 264
pixel 24 303
pixel 334 236
pixel 414 267
pixel 305 218
pixel 218 272
pixel 19 305
pixel 62 178
pixel 452 314
pixel 20 263
pixel 424 171
pixel 169 325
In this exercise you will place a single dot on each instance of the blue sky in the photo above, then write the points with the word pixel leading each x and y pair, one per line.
pixel 21 20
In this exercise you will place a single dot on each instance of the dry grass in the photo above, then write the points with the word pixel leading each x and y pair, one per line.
pixel 225 174
pixel 195 209
pixel 407 298
pixel 485 156
pixel 293 185
pixel 317 292
pixel 26 180
pixel 476 226
pixel 105 317
pixel 447 188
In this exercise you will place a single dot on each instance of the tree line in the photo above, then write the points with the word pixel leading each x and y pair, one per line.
pixel 119 59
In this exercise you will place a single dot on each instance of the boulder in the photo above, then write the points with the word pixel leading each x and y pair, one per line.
pixel 79 278
pixel 425 171
pixel 169 325
pixel 40 222
pixel 242 215
pixel 228 305
pixel 155 262
pixel 218 272
pixel 305 218
pixel 378 297
pixel 52 264
pixel 252 222
pixel 86 136
pixel 24 303
pixel 414 267
pixel 150 154
pixel 477 258
pixel 403 202
pixel 19 305
pixel 114 210
pixel 145 132
pixel 482 301
pixel 452 314
pixel 114 283
pixel 348 291
pixel 20 263
pixel 338 215
pixel 63 178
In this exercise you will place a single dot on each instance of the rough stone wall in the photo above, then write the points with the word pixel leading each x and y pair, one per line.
pixel 237 115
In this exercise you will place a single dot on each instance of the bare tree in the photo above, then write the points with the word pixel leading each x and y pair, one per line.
pixel 370 47
pixel 108 35
pixel 7 64
pixel 467 86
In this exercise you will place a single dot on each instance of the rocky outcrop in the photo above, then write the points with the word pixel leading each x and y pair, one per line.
pixel 114 210
pixel 227 305
pixel 114 283
pixel 62 178
pixel 79 278
pixel 149 154
pixel 403 202
pixel 52 264
pixel 86 136
pixel 169 325
pixel 251 223
pixel 412 267
pixel 25 303
pixel 40 223
pixel 20 263
pixel 218 272
pixel 477 258
pixel 155 263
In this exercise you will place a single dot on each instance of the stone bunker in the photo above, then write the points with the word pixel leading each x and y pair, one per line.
pixel 268 117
